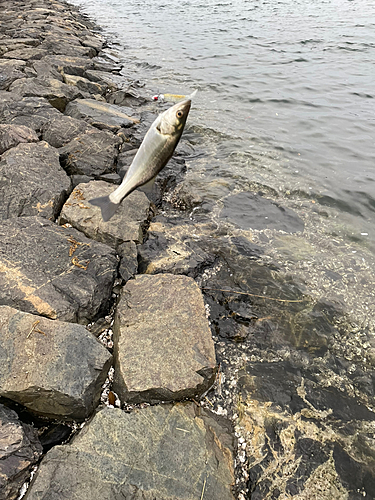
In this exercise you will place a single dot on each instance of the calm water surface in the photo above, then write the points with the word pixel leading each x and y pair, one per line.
pixel 286 92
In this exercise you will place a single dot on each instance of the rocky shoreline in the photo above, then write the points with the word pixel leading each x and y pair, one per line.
pixel 158 355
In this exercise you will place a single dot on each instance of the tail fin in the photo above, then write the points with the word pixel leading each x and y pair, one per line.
pixel 106 206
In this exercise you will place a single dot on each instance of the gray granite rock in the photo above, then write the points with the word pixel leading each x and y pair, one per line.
pixel 126 225
pixel 54 271
pixel 65 64
pixel 32 112
pixel 12 135
pixel 55 369
pixel 92 153
pixel 57 93
pixel 162 340
pixel 10 70
pixel 85 85
pixel 19 450
pixel 163 452
pixel 32 181
pixel 129 261
pixel 100 114
pixel 26 54
pixel 62 129
pixel 104 78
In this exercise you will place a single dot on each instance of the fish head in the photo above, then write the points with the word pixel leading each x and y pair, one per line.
pixel 173 120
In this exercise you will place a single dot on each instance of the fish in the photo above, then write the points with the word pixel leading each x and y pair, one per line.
pixel 153 154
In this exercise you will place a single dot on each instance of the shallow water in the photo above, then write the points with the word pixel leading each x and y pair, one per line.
pixel 289 85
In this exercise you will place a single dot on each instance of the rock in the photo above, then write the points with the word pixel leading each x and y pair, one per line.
pixel 54 271
pixel 92 153
pixel 12 135
pixel 126 98
pixel 100 114
pixel 32 112
pixel 64 64
pixel 166 452
pixel 93 41
pixel 85 85
pixel 126 225
pixel 174 248
pixel 35 372
pixel 249 210
pixel 19 450
pixel 10 71
pixel 57 93
pixel 45 70
pixel 26 54
pixel 163 345
pixel 32 181
pixel 129 262
pixel 62 129
pixel 66 46
pixel 104 79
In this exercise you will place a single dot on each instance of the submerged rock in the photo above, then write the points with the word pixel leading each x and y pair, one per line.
pixel 100 114
pixel 166 452
pixel 249 210
pixel 126 225
pixel 54 271
pixel 55 369
pixel 19 450
pixel 163 345
pixel 32 180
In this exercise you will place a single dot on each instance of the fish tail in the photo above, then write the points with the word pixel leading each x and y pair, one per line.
pixel 107 207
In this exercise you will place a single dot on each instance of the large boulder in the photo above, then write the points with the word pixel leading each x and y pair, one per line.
pixel 10 70
pixel 54 271
pixel 55 369
pixel 162 452
pixel 62 129
pixel 162 340
pixel 92 153
pixel 100 114
pixel 12 135
pixel 126 225
pixel 20 449
pixel 32 181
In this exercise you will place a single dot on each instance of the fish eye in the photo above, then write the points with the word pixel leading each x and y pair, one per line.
pixel 179 114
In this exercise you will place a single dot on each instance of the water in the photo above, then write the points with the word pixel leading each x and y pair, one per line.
pixel 289 83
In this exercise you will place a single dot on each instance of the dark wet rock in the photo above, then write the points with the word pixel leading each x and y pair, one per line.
pixel 126 98
pixel 32 181
pixel 85 85
pixel 34 370
pixel 54 271
pixel 100 114
pixel 249 210
pixel 19 450
pixel 164 452
pixel 163 345
pixel 10 71
pixel 126 225
pixel 92 153
pixel 57 93
pixel 12 135
pixel 172 248
pixel 129 262
pixel 32 112
pixel 62 129
pixel 26 54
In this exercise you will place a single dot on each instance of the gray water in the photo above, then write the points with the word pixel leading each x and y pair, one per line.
pixel 286 86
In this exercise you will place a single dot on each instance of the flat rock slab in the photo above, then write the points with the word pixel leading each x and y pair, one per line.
pixel 162 340
pixel 162 452
pixel 55 369
pixel 12 135
pixel 249 210
pixel 19 450
pixel 32 181
pixel 32 112
pixel 92 153
pixel 126 225
pixel 54 271
pixel 100 114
